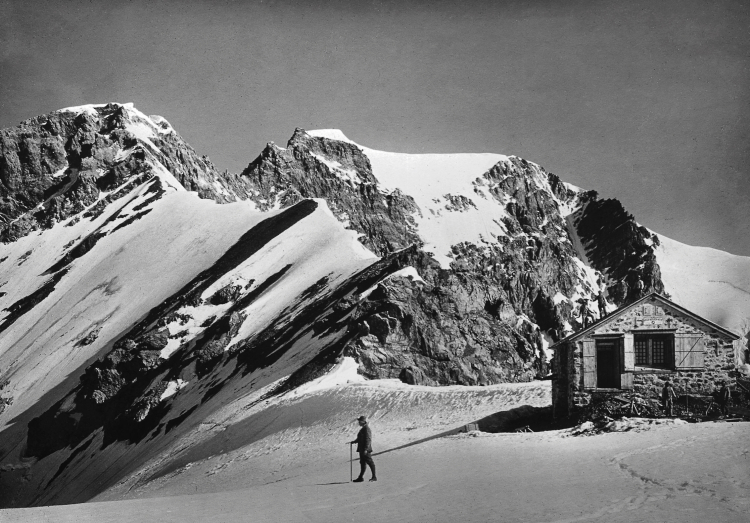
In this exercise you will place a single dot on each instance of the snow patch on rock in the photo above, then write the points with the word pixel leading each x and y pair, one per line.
pixel 172 388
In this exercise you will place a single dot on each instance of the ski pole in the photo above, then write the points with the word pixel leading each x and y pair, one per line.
pixel 351 463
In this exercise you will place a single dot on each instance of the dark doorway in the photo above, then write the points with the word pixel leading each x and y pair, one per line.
pixel 607 364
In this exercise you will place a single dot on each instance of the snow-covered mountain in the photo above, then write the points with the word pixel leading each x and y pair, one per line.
pixel 143 291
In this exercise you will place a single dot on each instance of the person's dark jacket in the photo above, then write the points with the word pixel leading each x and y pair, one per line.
pixel 364 439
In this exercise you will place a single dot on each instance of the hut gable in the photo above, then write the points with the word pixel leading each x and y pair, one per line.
pixel 653 312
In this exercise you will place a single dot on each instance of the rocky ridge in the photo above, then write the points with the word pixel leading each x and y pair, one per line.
pixel 76 160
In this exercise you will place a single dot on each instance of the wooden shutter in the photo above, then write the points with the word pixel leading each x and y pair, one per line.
pixel 627 362
pixel 589 364
pixel 628 352
pixel 689 350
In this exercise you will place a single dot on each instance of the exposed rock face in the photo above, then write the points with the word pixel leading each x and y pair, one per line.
pixel 281 177
pixel 470 324
pixel 617 246
pixel 58 165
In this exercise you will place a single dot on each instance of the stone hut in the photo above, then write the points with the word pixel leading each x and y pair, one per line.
pixel 638 347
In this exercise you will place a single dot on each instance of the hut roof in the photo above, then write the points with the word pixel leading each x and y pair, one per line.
pixel 654 296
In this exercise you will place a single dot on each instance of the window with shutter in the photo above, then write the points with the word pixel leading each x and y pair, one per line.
pixel 653 350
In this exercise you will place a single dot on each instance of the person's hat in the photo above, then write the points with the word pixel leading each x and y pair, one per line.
pixel 362 418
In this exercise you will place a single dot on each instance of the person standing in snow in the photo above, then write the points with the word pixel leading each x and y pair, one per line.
pixel 364 447
pixel 667 397
pixel 725 395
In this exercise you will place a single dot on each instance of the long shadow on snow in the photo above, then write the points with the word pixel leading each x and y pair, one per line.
pixel 502 421
pixel 326 320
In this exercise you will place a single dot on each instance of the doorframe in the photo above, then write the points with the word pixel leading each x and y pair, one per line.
pixel 616 338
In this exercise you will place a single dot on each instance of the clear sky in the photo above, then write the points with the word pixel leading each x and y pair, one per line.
pixel 645 101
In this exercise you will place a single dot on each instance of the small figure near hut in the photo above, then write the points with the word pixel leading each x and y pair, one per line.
pixel 638 288
pixel 667 397
pixel 621 291
pixel 725 397
pixel 602 302
pixel 585 315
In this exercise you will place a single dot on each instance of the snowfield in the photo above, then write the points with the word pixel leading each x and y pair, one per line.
pixel 289 462
pixel 429 178
pixel 719 286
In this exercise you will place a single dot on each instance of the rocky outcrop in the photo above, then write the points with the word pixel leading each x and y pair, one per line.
pixel 618 247
pixel 478 322
pixel 312 167
pixel 58 165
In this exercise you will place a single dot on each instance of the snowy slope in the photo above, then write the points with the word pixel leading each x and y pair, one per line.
pixel 248 443
pixel 124 275
pixel 436 181
pixel 712 283
pixel 139 266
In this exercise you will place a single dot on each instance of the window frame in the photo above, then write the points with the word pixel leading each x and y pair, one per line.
pixel 668 362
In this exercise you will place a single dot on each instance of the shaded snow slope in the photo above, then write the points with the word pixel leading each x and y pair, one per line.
pixel 709 282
